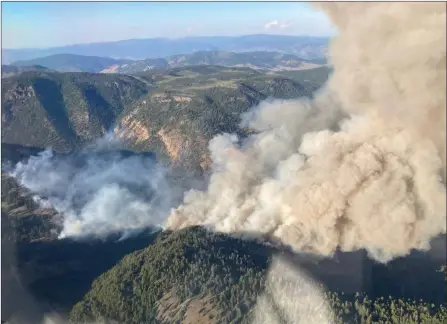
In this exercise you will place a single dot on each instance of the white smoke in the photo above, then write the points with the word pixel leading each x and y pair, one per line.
pixel 100 191
pixel 373 180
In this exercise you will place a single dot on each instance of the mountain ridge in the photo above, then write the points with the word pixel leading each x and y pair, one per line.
pixel 12 70
pixel 304 46
pixel 262 60
pixel 71 62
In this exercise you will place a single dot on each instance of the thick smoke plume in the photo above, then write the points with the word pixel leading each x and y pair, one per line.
pixel 100 190
pixel 360 166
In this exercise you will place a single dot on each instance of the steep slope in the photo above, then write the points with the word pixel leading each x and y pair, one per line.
pixel 63 110
pixel 72 63
pixel 139 49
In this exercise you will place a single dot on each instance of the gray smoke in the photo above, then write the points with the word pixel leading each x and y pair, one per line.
pixel 100 190
pixel 317 181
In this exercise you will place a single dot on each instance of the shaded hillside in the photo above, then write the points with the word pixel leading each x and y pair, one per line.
pixel 72 63
pixel 194 276
pixel 170 112
pixel 177 267
pixel 12 70
pixel 63 110
pixel 52 275
pixel 139 49
pixel 12 153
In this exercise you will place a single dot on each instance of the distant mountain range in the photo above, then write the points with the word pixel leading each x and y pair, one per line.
pixel 138 49
pixel 255 60
pixel 259 60
pixel 72 63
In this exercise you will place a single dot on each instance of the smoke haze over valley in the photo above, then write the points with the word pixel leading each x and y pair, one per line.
pixel 88 188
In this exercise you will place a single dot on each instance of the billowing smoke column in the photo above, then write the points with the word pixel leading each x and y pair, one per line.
pixel 99 191
pixel 360 166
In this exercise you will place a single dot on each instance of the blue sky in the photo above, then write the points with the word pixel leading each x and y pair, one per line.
pixel 48 24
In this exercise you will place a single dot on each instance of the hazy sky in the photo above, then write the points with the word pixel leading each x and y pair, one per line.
pixel 47 24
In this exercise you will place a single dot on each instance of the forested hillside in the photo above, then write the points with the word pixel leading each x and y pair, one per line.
pixel 171 112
